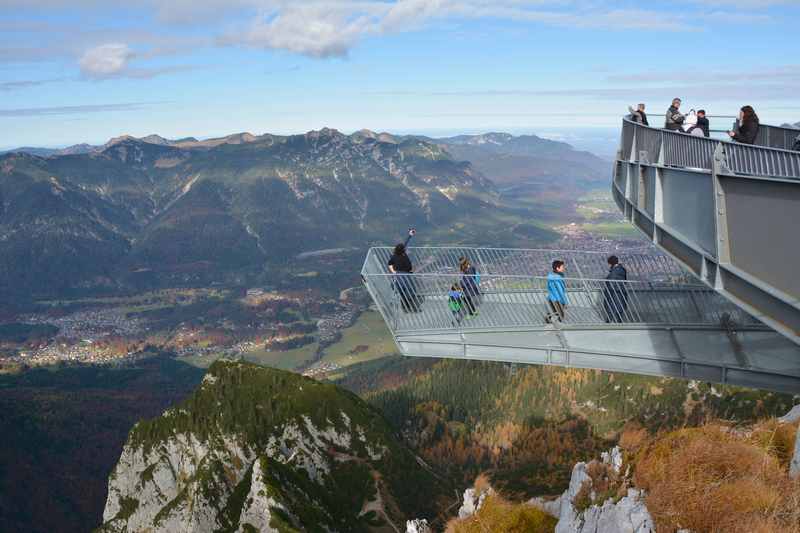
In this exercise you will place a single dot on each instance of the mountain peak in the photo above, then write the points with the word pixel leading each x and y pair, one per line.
pixel 259 447
pixel 324 133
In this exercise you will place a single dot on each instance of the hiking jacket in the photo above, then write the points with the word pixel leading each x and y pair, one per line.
pixel 454 300
pixel 747 132
pixel 556 288
pixel 617 273
pixel 674 119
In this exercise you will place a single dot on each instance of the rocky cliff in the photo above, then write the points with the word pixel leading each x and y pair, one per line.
pixel 256 449
pixel 598 500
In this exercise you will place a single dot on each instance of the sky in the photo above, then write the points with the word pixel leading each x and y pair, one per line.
pixel 89 70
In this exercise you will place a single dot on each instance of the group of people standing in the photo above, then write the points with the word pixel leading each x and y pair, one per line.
pixel 696 122
pixel 463 297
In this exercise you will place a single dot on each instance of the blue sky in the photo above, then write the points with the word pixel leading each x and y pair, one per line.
pixel 86 70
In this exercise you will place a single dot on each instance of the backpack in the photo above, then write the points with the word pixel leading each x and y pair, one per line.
pixel 477 276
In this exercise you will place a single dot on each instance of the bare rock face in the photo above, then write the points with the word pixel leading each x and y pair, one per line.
pixel 794 468
pixel 418 526
pixel 257 449
pixel 627 514
pixel 473 499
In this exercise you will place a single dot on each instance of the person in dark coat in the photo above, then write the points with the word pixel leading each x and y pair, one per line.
pixel 674 118
pixel 638 115
pixel 748 126
pixel 400 265
pixel 702 123
pixel 615 295
pixel 469 284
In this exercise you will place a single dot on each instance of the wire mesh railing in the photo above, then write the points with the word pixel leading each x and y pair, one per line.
pixel 658 146
pixel 533 262
pixel 440 297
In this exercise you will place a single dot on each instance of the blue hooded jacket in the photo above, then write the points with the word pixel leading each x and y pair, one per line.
pixel 556 288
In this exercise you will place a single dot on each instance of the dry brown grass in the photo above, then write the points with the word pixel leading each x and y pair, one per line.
pixel 497 515
pixel 632 437
pixel 482 483
pixel 719 479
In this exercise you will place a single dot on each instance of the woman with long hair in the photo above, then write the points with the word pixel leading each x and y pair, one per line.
pixel 748 126
pixel 469 284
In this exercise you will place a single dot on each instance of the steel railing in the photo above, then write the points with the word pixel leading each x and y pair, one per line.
pixel 420 301
pixel 649 145
pixel 651 266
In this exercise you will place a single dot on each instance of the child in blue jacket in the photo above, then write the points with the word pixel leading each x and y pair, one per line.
pixel 556 292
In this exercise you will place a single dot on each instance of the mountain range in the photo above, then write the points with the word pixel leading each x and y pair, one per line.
pixel 143 212
pixel 136 210
pixel 501 156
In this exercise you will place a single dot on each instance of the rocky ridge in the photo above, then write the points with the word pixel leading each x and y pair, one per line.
pixel 584 508
pixel 256 449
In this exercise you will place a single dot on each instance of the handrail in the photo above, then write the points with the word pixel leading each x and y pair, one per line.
pixel 511 294
pixel 419 302
pixel 527 262
pixel 660 147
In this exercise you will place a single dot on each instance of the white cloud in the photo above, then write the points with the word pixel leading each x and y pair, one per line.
pixel 316 30
pixel 330 28
pixel 106 60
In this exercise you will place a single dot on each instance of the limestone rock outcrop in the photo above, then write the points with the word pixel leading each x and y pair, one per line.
pixel 626 514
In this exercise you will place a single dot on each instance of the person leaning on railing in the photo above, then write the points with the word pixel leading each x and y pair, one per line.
pixel 747 126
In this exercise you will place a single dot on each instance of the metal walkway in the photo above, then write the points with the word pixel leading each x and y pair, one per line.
pixel 662 321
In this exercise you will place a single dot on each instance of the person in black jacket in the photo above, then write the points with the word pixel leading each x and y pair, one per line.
pixel 702 123
pixel 400 265
pixel 748 126
pixel 615 295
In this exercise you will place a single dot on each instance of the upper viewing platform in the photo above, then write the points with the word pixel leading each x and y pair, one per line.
pixel 726 211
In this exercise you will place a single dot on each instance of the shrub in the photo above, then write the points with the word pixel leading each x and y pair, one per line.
pixel 496 515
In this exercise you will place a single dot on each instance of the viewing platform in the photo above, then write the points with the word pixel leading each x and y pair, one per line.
pixel 727 212
pixel 669 324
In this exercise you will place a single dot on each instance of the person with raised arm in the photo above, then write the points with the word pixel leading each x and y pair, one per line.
pixel 400 265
